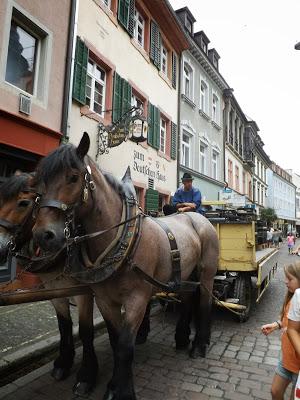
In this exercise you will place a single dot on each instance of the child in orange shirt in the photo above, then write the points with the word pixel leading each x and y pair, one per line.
pixel 289 363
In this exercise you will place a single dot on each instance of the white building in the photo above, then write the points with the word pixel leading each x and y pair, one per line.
pixel 128 53
pixel 296 182
pixel 282 197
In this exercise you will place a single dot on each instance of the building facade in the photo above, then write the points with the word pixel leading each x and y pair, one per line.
pixel 127 55
pixel 296 182
pixel 33 53
pixel 282 197
pixel 238 154
pixel 201 112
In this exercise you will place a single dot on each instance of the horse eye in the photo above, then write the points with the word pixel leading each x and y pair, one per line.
pixel 24 203
pixel 73 178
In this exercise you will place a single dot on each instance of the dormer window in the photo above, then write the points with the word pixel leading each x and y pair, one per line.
pixel 203 46
pixel 215 61
pixel 189 25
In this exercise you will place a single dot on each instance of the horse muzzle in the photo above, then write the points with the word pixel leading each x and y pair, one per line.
pixel 49 239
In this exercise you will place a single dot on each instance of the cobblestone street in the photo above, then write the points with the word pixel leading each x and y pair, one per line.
pixel 240 363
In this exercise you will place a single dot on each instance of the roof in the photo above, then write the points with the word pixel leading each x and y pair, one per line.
pixel 187 10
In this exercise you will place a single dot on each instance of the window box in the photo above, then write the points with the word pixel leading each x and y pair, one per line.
pixel 204 115
pixel 187 100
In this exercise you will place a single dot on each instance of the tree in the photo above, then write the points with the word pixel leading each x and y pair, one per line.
pixel 269 215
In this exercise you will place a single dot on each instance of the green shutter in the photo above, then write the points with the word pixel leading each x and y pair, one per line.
pixel 150 123
pixel 117 98
pixel 173 141
pixel 155 45
pixel 152 200
pixel 156 133
pixel 126 96
pixel 126 15
pixel 80 71
pixel 174 70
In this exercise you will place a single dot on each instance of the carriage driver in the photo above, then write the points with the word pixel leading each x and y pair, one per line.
pixel 186 198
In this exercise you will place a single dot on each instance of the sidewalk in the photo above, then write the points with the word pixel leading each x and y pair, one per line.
pixel 239 366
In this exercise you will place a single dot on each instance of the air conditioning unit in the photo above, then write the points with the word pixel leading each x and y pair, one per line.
pixel 25 104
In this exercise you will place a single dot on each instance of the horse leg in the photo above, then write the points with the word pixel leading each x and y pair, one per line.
pixel 203 307
pixel 121 386
pixel 144 328
pixel 87 374
pixel 183 330
pixel 64 361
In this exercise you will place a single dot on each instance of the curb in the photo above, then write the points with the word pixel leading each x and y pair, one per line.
pixel 27 355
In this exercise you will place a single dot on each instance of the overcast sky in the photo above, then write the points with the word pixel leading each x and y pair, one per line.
pixel 255 39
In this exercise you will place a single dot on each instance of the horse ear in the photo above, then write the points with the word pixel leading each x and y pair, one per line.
pixel 127 175
pixel 83 146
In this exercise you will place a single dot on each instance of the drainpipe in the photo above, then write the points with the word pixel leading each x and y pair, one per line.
pixel 68 84
pixel 178 119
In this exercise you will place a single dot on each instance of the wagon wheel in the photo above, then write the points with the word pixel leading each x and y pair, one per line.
pixel 242 290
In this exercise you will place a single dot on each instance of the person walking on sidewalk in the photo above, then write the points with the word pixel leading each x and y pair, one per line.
pixel 290 242
pixel 289 363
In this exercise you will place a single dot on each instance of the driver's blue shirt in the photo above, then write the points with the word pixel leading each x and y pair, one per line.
pixel 191 196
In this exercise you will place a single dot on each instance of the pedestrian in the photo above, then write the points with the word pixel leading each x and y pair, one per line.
pixel 186 198
pixel 275 238
pixel 289 363
pixel 269 237
pixel 290 242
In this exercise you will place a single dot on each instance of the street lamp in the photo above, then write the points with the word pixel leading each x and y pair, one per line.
pixel 131 125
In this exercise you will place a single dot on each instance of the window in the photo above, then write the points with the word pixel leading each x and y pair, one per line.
pixel 163 134
pixel 237 178
pixel 244 183
pixel 203 158
pixel 185 149
pixel 137 102
pixel 188 81
pixel 106 2
pixel 95 87
pixel 215 162
pixel 203 46
pixel 139 28
pixel 189 25
pixel 204 96
pixel 21 66
pixel 164 60
pixel 230 173
pixel 215 109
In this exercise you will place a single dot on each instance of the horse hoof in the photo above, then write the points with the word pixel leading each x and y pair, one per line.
pixel 198 351
pixel 109 395
pixel 82 389
pixel 59 374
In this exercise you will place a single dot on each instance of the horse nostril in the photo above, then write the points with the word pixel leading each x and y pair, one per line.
pixel 49 235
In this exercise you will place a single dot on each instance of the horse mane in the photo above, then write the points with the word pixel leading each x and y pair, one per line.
pixel 64 157
pixel 13 185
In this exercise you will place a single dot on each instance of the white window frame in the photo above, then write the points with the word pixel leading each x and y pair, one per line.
pixel 162 135
pixel 216 115
pixel 190 78
pixel 203 156
pixel 138 24
pixel 107 3
pixel 185 147
pixel 134 101
pixel 164 57
pixel 204 105
pixel 44 52
pixel 215 164
pixel 94 80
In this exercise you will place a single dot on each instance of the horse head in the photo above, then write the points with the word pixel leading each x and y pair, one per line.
pixel 66 178
pixel 17 200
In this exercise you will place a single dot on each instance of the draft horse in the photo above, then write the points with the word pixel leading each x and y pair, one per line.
pixel 17 204
pixel 120 271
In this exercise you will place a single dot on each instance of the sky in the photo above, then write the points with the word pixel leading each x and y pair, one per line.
pixel 255 39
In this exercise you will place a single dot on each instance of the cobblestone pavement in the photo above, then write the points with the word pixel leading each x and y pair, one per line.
pixel 239 365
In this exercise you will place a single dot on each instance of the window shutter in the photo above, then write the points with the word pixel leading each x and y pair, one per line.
pixel 155 45
pixel 131 18
pixel 152 200
pixel 174 70
pixel 80 71
pixel 150 123
pixel 173 141
pixel 156 133
pixel 126 96
pixel 117 98
pixel 126 15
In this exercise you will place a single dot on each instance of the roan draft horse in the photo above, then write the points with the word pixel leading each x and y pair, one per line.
pixel 122 251
pixel 17 203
